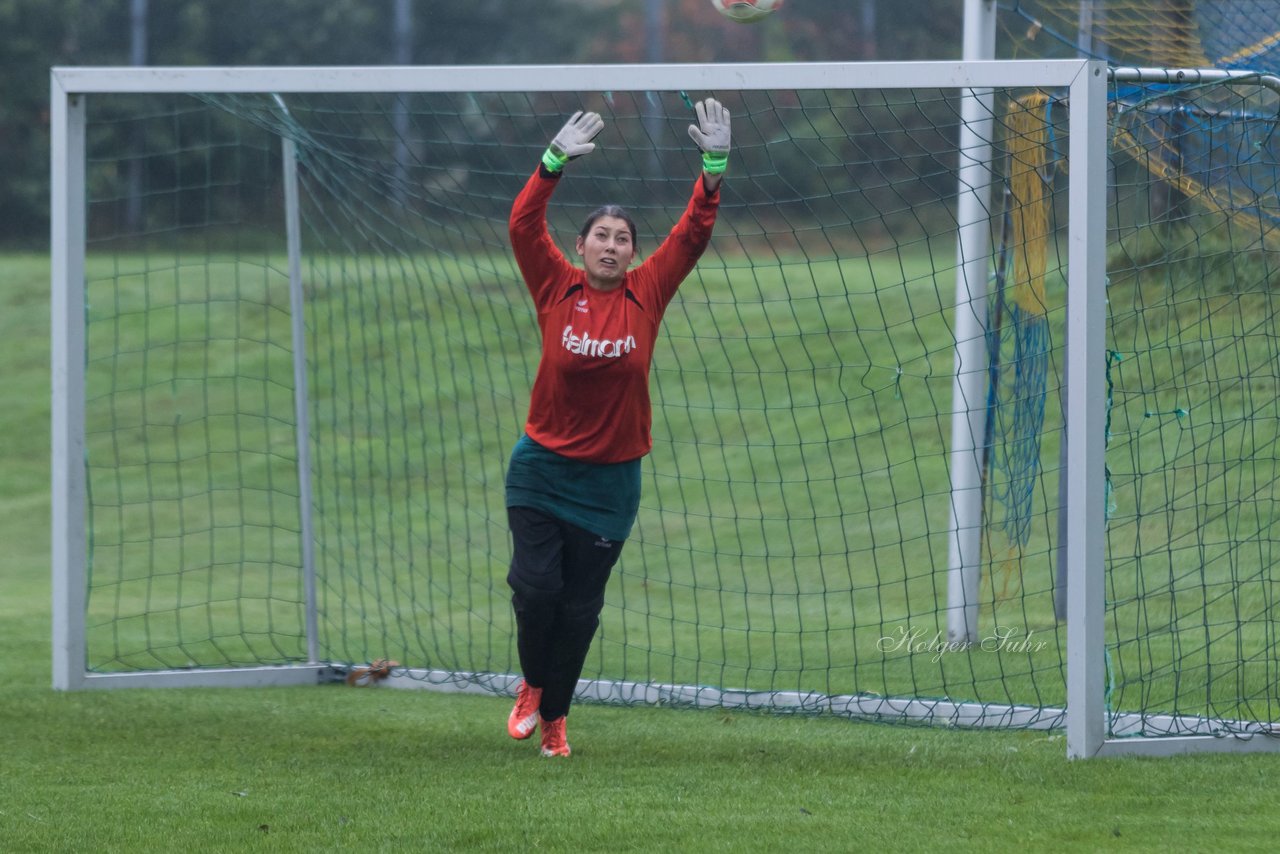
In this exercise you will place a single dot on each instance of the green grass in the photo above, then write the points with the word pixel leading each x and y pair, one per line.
pixel 336 768
pixel 331 768
pixel 353 769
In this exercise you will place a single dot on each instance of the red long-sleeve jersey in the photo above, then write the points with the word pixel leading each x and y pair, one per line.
pixel 590 398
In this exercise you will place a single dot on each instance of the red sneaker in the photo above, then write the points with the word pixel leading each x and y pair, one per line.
pixel 554 742
pixel 524 717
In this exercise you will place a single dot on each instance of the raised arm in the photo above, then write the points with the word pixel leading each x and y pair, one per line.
pixel 671 262
pixel 680 251
pixel 537 255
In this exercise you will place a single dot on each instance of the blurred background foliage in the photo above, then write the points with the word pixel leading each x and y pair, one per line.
pixel 39 34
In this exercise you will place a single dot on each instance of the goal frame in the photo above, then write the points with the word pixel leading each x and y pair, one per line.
pixel 1085 715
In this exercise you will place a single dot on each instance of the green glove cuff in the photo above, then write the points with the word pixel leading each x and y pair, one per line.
pixel 714 164
pixel 553 160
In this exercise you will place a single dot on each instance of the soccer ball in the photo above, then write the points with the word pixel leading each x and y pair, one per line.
pixel 747 11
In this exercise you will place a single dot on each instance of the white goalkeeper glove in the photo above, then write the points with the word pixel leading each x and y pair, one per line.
pixel 711 133
pixel 573 140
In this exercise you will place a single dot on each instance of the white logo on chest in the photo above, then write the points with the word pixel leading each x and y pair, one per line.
pixel 585 345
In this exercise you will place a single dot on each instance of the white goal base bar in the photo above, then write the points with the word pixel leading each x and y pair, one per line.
pixel 213 677
pixel 1193 733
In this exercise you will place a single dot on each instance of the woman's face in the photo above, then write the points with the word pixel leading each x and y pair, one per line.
pixel 606 252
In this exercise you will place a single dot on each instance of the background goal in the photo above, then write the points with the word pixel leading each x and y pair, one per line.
pixel 292 353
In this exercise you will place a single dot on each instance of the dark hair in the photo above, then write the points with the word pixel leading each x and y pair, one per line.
pixel 609 210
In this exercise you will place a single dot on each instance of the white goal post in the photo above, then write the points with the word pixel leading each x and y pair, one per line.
pixel 1084 84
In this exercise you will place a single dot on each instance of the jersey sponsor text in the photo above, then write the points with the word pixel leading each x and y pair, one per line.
pixel 585 345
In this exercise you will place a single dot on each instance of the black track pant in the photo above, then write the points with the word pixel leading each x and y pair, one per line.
pixel 558 575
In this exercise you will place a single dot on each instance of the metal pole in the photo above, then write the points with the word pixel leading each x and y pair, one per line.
pixel 69 548
pixel 867 25
pixel 968 399
pixel 301 405
pixel 654 53
pixel 402 39
pixel 1084 48
pixel 137 57
pixel 1086 415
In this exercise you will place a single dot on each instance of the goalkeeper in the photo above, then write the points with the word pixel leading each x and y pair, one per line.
pixel 573 484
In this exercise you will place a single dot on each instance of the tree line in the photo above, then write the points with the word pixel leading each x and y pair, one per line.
pixel 40 34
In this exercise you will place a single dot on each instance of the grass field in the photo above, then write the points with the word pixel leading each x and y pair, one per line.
pixel 331 768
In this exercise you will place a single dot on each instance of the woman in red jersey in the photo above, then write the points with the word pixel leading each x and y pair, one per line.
pixel 573 484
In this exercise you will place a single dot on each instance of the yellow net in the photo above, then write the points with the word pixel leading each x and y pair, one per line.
pixel 1209 144
pixel 1028 143
pixel 1162 33
pixel 1138 32
pixel 1019 384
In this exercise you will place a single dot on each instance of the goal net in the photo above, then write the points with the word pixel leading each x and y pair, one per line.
pixel 297 353
pixel 1152 33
